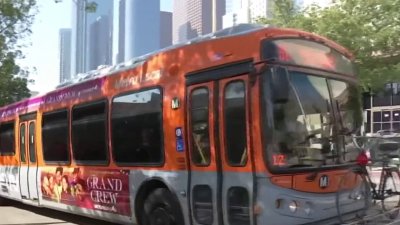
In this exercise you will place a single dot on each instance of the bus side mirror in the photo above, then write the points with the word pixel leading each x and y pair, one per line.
pixel 280 85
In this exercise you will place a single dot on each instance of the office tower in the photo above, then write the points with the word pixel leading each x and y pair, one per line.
pixel 165 29
pixel 65 54
pixel 82 21
pixel 100 54
pixel 121 31
pixel 237 13
pixel 246 11
pixel 192 18
pixel 260 8
pixel 78 37
pixel 142 27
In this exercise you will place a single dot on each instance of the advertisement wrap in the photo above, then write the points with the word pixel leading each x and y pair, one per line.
pixel 98 189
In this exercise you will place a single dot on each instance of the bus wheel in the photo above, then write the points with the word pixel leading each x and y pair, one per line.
pixel 3 201
pixel 161 208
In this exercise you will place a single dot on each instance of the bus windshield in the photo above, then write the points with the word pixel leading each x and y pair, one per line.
pixel 310 126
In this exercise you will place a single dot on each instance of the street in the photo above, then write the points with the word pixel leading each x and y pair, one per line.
pixel 14 213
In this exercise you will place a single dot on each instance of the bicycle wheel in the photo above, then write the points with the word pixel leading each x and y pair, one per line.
pixel 353 196
pixel 391 194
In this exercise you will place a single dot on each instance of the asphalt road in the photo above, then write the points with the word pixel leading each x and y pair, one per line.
pixel 14 213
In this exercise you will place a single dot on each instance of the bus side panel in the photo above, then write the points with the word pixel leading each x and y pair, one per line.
pixel 9 177
pixel 98 193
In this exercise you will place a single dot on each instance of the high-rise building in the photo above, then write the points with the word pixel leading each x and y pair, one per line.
pixel 239 12
pixel 192 18
pixel 103 17
pixel 142 27
pixel 65 54
pixel 179 21
pixel 99 53
pixel 78 37
pixel 82 20
pixel 246 11
pixel 121 31
pixel 260 8
pixel 230 5
pixel 146 29
pixel 165 29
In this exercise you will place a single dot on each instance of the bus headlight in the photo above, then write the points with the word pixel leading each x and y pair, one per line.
pixel 293 206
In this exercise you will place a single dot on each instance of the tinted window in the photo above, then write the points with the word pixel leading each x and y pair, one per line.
pixel 200 127
pixel 7 139
pixel 377 116
pixel 55 136
pixel 136 121
pixel 396 115
pixel 377 127
pixel 235 123
pixel 203 204
pixel 238 206
pixel 32 152
pixel 307 53
pixel 386 116
pixel 89 133
pixel 22 142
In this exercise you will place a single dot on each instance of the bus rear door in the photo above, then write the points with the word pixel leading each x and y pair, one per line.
pixel 222 174
pixel 29 166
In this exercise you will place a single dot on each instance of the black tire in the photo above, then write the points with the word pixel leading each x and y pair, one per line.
pixel 353 187
pixel 391 199
pixel 161 208
pixel 3 201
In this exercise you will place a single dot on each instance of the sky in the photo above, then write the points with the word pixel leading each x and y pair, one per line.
pixel 42 52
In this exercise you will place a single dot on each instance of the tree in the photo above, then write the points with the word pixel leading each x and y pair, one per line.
pixel 88 6
pixel 16 17
pixel 368 28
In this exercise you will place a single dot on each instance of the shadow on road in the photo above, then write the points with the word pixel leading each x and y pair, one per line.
pixel 52 223
pixel 67 217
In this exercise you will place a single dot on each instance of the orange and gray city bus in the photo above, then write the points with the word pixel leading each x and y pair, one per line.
pixel 248 125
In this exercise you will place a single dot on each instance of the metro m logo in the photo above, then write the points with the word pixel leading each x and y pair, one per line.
pixel 323 181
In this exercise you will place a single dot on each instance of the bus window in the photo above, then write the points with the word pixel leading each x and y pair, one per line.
pixel 22 143
pixel 7 139
pixel 235 123
pixel 32 150
pixel 136 128
pixel 89 133
pixel 200 126
pixel 55 137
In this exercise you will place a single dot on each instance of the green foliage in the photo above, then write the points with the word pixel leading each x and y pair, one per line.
pixel 16 17
pixel 91 7
pixel 368 28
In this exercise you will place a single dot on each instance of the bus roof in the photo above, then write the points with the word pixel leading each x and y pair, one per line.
pixel 93 80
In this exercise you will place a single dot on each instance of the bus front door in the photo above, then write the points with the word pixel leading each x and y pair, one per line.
pixel 222 171
pixel 29 166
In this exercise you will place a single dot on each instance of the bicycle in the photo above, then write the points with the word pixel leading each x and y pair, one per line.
pixel 357 185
